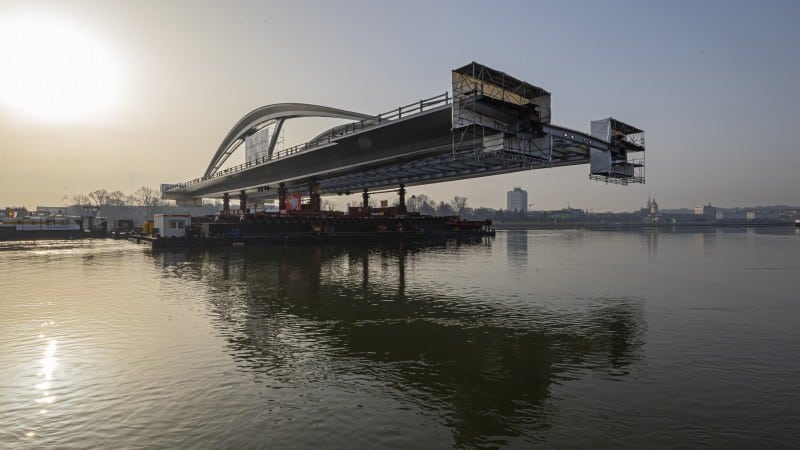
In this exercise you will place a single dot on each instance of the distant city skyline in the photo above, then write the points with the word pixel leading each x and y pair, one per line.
pixel 341 202
pixel 127 109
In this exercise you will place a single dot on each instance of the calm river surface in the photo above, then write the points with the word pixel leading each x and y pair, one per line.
pixel 564 339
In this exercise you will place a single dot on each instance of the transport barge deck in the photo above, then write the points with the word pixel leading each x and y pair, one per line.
pixel 267 229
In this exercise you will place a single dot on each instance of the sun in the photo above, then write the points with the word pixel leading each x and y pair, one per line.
pixel 53 71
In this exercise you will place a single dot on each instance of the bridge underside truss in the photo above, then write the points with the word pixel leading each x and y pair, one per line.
pixel 470 162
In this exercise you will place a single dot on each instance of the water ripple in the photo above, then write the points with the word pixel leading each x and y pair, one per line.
pixel 572 339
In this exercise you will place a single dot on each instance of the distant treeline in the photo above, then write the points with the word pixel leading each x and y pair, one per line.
pixel 144 196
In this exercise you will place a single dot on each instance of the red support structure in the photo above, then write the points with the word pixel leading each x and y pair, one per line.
pixel 282 191
pixel 315 199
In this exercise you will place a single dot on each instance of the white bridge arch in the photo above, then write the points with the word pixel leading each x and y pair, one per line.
pixel 266 115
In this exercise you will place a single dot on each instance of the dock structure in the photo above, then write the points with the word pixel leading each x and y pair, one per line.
pixel 490 123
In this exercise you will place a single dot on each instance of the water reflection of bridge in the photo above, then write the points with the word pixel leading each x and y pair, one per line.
pixel 488 368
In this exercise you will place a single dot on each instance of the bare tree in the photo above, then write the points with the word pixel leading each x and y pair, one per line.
pixel 80 199
pixel 147 196
pixel 116 198
pixel 428 206
pixel 444 209
pixel 459 203
pixel 99 197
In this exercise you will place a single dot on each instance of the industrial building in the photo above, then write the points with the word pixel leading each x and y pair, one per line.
pixel 517 200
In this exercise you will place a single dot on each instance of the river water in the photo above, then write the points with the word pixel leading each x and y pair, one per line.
pixel 567 339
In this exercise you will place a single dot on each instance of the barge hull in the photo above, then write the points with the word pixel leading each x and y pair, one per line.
pixel 282 239
pixel 249 230
pixel 52 235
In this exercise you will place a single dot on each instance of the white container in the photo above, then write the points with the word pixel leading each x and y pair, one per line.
pixel 171 225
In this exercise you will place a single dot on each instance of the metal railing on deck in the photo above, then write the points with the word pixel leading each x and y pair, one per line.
pixel 334 134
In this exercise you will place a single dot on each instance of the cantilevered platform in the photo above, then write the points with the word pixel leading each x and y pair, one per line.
pixel 491 124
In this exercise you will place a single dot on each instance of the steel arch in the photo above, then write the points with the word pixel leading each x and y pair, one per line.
pixel 278 112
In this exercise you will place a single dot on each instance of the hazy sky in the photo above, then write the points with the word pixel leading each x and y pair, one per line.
pixel 116 95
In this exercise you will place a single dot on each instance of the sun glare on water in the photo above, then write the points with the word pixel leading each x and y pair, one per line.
pixel 53 71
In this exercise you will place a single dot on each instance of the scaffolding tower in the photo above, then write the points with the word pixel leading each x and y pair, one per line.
pixel 624 162
pixel 496 115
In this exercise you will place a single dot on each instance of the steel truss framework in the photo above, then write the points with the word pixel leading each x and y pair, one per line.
pixel 563 147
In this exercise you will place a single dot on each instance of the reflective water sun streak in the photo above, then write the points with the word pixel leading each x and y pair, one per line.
pixel 49 363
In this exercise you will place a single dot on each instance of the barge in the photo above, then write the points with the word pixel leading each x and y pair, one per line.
pixel 34 228
pixel 265 229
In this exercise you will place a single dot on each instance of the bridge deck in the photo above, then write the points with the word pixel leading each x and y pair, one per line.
pixel 412 150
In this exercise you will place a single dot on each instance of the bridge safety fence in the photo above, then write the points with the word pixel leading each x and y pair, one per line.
pixel 334 134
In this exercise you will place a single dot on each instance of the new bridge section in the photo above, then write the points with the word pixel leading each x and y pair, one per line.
pixel 378 147
pixel 492 124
